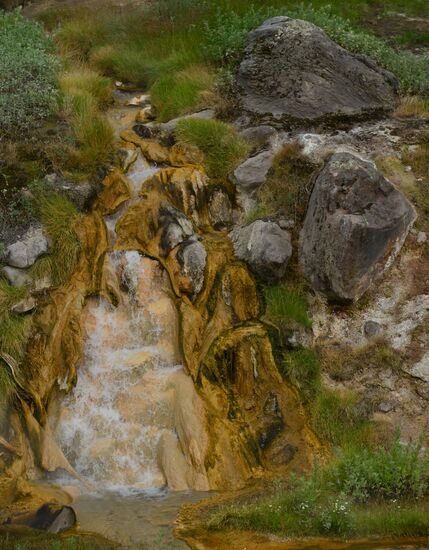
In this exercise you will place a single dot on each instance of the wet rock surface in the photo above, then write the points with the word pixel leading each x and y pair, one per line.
pixel 50 517
pixel 321 81
pixel 355 225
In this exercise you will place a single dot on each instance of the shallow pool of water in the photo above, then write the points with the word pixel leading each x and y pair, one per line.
pixel 140 520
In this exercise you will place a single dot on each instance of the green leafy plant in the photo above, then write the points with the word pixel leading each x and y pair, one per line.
pixel 28 68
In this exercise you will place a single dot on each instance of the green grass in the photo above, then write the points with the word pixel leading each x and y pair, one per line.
pixel 14 328
pixel 302 368
pixel 156 46
pixel 286 304
pixel 339 420
pixel 14 538
pixel 370 492
pixel 83 80
pixel 221 144
pixel 60 218
pixel 178 93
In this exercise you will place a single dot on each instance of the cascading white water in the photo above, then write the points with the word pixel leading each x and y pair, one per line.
pixel 111 423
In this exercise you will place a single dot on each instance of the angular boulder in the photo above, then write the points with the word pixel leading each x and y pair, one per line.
pixel 292 73
pixel 356 223
pixel 264 246
pixel 253 172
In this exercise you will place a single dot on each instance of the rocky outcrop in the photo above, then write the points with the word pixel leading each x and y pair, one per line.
pixel 355 225
pixel 292 73
pixel 24 252
pixel 264 246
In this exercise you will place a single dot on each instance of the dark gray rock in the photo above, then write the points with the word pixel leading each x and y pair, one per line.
pixel 252 173
pixel 259 137
pixel 264 246
pixel 192 258
pixel 293 73
pixel 371 329
pixel 50 517
pixel 177 228
pixel 220 208
pixel 81 194
pixel 356 223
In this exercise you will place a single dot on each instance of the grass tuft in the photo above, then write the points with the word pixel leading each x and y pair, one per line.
pixel 286 304
pixel 82 80
pixel 60 217
pixel 221 144
pixel 287 188
pixel 14 328
pixel 179 93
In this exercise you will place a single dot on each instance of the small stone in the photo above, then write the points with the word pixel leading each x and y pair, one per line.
pixel 140 100
pixel 170 126
pixel 371 329
pixel 421 237
pixel 386 406
pixel 25 305
pixel 408 169
pixel 142 131
pixel 259 136
pixel 286 224
pixel 145 115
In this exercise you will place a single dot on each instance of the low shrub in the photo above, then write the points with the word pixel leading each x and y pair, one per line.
pixel 329 501
pixel 398 472
pixel 221 144
pixel 28 68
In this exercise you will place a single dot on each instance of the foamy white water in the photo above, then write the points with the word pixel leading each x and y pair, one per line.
pixel 111 423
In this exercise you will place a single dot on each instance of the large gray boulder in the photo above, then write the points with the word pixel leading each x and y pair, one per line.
pixel 293 73
pixel 355 225
pixel 24 252
pixel 264 246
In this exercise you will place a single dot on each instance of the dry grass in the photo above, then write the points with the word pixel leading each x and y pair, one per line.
pixel 413 107
pixel 287 189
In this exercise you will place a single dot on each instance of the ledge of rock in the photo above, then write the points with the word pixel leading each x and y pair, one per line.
pixel 321 81
pixel 264 246
pixel 355 225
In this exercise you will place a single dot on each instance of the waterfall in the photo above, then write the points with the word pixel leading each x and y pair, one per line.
pixel 111 423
